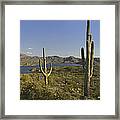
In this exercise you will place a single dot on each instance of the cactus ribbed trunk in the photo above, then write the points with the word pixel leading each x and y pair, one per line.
pixel 44 68
pixel 92 58
pixel 88 63
pixel 44 61
pixel 46 80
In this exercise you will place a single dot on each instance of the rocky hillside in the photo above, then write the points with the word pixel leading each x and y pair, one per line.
pixel 33 60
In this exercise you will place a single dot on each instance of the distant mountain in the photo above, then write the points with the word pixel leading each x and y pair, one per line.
pixel 33 60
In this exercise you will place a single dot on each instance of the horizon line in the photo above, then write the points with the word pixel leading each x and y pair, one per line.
pixel 57 55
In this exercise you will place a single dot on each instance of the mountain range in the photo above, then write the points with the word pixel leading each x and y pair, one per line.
pixel 26 60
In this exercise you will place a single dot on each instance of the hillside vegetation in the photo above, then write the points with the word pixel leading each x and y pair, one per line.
pixel 65 83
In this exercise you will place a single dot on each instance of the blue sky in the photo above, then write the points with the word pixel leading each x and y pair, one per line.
pixel 59 37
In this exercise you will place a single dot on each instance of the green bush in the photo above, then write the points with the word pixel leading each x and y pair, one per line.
pixel 65 83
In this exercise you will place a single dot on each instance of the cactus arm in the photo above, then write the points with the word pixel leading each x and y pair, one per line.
pixel 92 59
pixel 41 67
pixel 82 53
pixel 84 71
pixel 42 71
pixel 83 58
pixel 39 63
pixel 50 70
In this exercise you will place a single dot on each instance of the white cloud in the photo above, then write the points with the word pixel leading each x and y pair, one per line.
pixel 29 53
pixel 30 48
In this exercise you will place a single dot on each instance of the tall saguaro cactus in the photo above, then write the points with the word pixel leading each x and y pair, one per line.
pixel 88 63
pixel 44 68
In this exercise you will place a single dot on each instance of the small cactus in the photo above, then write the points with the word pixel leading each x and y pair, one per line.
pixel 44 68
pixel 88 63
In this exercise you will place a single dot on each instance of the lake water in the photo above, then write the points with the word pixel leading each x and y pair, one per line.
pixel 27 69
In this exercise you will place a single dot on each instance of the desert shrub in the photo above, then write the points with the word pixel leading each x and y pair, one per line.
pixel 65 83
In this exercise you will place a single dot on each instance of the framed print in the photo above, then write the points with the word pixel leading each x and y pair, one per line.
pixel 59 59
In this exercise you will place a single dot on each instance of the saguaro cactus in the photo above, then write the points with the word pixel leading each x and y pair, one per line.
pixel 44 68
pixel 88 63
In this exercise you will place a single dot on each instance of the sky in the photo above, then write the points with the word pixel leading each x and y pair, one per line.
pixel 59 37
